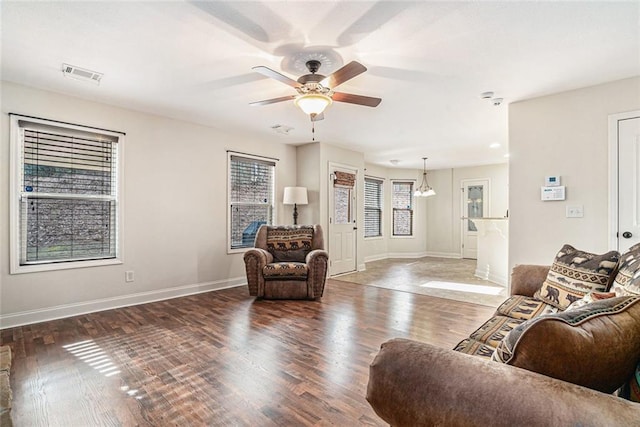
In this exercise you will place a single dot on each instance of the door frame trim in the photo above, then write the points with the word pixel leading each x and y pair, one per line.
pixel 613 173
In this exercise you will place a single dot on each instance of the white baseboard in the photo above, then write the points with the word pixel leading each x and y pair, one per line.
pixel 377 257
pixel 68 310
pixel 394 255
pixel 453 255
pixel 491 277
pixel 362 267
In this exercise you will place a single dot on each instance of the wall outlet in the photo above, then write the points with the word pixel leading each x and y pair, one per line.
pixel 575 211
pixel 128 276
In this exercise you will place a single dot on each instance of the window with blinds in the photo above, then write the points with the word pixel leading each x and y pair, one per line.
pixel 402 205
pixel 67 195
pixel 372 207
pixel 251 198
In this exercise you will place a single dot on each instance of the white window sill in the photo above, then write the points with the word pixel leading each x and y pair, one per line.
pixel 37 268
pixel 374 238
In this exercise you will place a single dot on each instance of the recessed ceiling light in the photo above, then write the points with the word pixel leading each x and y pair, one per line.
pixel 495 145
pixel 486 95
pixel 394 162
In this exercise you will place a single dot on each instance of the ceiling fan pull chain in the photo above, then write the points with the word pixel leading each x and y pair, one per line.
pixel 313 131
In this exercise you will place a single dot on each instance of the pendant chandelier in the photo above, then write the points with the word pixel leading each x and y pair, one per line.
pixel 425 189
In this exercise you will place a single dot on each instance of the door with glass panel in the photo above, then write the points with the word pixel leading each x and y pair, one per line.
pixel 342 220
pixel 475 204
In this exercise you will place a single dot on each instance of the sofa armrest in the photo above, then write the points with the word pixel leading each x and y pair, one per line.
pixel 416 384
pixel 527 279
pixel 318 263
pixel 254 261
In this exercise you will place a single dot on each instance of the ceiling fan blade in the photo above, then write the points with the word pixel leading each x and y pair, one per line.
pixel 273 100
pixel 266 71
pixel 345 73
pixel 317 117
pixel 367 101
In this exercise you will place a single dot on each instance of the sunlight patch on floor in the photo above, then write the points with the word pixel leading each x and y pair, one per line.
pixel 463 287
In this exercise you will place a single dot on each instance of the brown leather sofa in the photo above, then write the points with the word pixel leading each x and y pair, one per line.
pixel 598 346
pixel 287 262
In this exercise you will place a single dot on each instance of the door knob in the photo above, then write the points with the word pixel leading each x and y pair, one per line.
pixel 627 234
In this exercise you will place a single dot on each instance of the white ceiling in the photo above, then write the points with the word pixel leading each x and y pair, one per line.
pixel 428 61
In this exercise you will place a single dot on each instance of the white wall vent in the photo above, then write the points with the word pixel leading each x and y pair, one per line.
pixel 81 74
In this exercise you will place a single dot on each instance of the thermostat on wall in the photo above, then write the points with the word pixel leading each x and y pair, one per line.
pixel 552 181
pixel 552 193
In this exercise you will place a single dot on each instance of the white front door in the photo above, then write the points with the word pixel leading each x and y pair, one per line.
pixel 342 226
pixel 628 233
pixel 475 204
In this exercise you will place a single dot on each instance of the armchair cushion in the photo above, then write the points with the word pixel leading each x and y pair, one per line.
pixel 596 346
pixel 289 244
pixel 574 274
pixel 284 270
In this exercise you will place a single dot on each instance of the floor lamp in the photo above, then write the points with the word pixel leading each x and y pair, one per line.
pixel 295 196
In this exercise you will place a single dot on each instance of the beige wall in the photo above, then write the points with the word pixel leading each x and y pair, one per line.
pixel 444 210
pixel 175 211
pixel 563 134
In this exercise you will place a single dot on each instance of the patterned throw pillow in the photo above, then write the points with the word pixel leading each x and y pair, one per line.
pixel 574 274
pixel 589 298
pixel 627 281
pixel 289 244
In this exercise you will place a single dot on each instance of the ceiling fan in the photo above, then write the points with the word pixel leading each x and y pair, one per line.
pixel 315 91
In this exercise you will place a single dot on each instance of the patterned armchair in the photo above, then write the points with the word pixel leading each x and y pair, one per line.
pixel 288 262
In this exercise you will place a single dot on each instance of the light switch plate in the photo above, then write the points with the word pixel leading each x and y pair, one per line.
pixel 576 211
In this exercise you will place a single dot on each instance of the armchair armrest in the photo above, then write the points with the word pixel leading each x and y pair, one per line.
pixel 254 261
pixel 415 384
pixel 318 263
pixel 527 279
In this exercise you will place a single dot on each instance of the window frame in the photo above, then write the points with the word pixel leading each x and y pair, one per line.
pixel 16 167
pixel 380 183
pixel 262 159
pixel 411 209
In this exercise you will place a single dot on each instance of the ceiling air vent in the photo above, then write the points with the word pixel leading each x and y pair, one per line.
pixel 81 74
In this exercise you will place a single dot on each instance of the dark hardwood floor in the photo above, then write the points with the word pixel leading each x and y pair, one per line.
pixel 222 358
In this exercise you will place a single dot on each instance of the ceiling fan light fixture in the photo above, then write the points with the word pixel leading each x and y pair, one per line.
pixel 313 103
pixel 425 190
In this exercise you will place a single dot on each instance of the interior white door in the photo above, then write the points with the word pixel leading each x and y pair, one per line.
pixel 628 182
pixel 474 205
pixel 342 228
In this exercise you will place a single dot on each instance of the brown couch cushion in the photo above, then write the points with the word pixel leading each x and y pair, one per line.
pixel 574 274
pixel 474 348
pixel 493 331
pixel 521 307
pixel 596 346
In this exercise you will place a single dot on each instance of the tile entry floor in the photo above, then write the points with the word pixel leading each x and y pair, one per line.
pixel 437 277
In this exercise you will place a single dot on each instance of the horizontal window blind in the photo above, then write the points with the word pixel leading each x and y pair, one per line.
pixel 372 207
pixel 251 195
pixel 68 195
pixel 402 204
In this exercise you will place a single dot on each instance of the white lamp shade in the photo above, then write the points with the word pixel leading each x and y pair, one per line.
pixel 313 103
pixel 295 196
